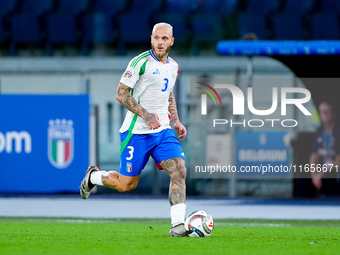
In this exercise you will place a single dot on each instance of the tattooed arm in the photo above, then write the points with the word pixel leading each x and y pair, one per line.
pixel 173 108
pixel 125 98
pixel 180 129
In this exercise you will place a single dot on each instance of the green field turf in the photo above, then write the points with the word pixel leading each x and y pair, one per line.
pixel 95 236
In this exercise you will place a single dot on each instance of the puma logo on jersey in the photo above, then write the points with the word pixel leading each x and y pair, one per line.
pixel 156 72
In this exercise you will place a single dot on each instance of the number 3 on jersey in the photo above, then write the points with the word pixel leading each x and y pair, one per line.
pixel 166 81
pixel 131 150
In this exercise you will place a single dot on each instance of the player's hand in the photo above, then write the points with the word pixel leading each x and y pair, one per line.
pixel 317 182
pixel 180 129
pixel 151 120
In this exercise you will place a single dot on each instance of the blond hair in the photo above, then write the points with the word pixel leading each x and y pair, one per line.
pixel 162 24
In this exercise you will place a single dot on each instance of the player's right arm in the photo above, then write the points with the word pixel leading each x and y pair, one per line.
pixel 316 177
pixel 125 98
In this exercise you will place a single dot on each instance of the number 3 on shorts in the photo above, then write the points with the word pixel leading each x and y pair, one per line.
pixel 131 150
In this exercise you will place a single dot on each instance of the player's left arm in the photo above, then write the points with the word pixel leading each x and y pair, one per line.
pixel 316 176
pixel 336 163
pixel 179 127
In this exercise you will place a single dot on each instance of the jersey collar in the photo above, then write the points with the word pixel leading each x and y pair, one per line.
pixel 155 58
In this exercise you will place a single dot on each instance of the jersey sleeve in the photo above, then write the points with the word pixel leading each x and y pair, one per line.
pixel 175 74
pixel 131 75
pixel 337 141
pixel 316 146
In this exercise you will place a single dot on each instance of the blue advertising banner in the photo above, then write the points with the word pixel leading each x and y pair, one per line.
pixel 262 154
pixel 44 142
pixel 272 48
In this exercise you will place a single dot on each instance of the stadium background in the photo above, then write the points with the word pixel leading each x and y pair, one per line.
pixel 83 46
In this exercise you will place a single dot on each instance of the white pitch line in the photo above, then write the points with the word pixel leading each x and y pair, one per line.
pixel 159 209
pixel 253 224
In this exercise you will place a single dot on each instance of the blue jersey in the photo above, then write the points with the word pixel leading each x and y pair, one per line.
pixel 327 146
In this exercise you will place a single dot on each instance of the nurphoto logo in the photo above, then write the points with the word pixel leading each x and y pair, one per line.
pixel 238 104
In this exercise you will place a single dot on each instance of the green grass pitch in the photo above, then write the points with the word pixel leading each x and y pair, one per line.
pixel 131 236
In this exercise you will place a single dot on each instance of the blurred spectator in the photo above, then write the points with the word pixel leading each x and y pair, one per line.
pixel 249 37
pixel 326 151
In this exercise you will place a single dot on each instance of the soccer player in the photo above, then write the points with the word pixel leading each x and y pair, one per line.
pixel 145 89
pixel 326 152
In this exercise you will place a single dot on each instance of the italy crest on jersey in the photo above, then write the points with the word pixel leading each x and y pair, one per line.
pixel 60 142
pixel 129 167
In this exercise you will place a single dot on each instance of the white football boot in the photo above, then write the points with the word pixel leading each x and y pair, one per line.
pixel 86 186
pixel 178 231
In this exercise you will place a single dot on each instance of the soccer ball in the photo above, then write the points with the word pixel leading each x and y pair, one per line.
pixel 199 224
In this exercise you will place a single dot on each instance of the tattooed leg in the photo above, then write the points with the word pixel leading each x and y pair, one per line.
pixel 175 167
pixel 122 183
